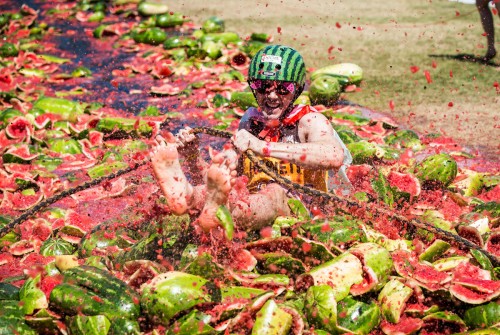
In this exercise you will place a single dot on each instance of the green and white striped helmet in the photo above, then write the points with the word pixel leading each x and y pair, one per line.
pixel 278 62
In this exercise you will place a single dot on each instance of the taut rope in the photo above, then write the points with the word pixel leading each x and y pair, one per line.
pixel 279 179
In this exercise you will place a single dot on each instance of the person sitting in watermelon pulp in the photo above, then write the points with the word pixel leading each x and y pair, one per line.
pixel 295 140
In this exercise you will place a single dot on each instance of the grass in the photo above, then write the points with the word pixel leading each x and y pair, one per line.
pixel 386 39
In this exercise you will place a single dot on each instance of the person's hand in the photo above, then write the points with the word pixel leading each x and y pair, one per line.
pixel 228 157
pixel 187 142
pixel 244 140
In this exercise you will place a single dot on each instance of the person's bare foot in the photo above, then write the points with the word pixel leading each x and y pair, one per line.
pixel 169 174
pixel 219 178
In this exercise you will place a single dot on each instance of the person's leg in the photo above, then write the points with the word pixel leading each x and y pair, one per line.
pixel 260 209
pixel 218 186
pixel 171 178
pixel 488 26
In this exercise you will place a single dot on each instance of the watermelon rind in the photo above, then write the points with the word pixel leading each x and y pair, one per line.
pixel 358 316
pixel 347 73
pixel 486 315
pixel 56 246
pixel 195 322
pixel 84 324
pixel 321 308
pixel 437 170
pixel 434 251
pixel 340 273
pixel 172 292
pixel 392 299
pixel 271 319
pixel 377 263
pixel 324 90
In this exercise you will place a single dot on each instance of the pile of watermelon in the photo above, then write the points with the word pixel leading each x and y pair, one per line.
pixel 85 87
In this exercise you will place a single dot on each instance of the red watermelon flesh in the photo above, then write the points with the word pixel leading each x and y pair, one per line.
pixel 475 278
pixel 49 282
pixel 491 195
pixel 493 244
pixel 406 325
pixel 369 281
pixel 20 201
pixel 473 285
pixel 472 296
pixel 404 182
pixel 361 176
pixel 408 266
pixel 23 152
pixel 82 222
pixel 19 128
pixel 7 181
pixel 369 277
pixel 466 270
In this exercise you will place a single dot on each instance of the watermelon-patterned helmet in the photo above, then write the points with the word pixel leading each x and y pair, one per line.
pixel 278 62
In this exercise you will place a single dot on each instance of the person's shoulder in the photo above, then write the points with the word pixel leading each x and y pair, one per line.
pixel 309 112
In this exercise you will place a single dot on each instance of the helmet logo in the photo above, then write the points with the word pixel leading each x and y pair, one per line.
pixel 271 59
pixel 269 73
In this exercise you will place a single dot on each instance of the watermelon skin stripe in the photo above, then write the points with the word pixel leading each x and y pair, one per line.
pixel 107 286
pixel 73 299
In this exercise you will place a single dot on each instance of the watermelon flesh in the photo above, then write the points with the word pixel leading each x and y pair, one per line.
pixel 133 70
pixel 473 285
pixel 404 182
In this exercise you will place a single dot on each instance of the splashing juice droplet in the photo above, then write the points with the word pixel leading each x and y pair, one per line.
pixel 266 232
pixel 338 25
pixel 414 69
pixel 434 64
pixel 451 74
pixel 450 104
pixel 306 247
pixel 325 228
pixel 279 30
pixel 391 105
pixel 427 75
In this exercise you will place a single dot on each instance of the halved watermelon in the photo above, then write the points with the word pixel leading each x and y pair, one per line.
pixel 19 154
pixel 19 128
pixel 408 266
pixel 25 199
pixel 405 326
pixel 404 182
pixel 473 285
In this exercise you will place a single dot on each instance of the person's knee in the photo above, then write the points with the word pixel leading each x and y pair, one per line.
pixel 278 196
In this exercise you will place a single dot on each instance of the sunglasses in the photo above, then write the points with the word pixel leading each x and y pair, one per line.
pixel 281 87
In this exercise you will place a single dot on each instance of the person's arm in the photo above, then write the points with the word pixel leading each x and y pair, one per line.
pixel 318 148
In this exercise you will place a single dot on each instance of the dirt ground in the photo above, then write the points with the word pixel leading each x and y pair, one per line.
pixel 385 38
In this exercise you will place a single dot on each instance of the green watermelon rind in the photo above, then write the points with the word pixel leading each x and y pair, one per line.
pixel 483 316
pixel 439 168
